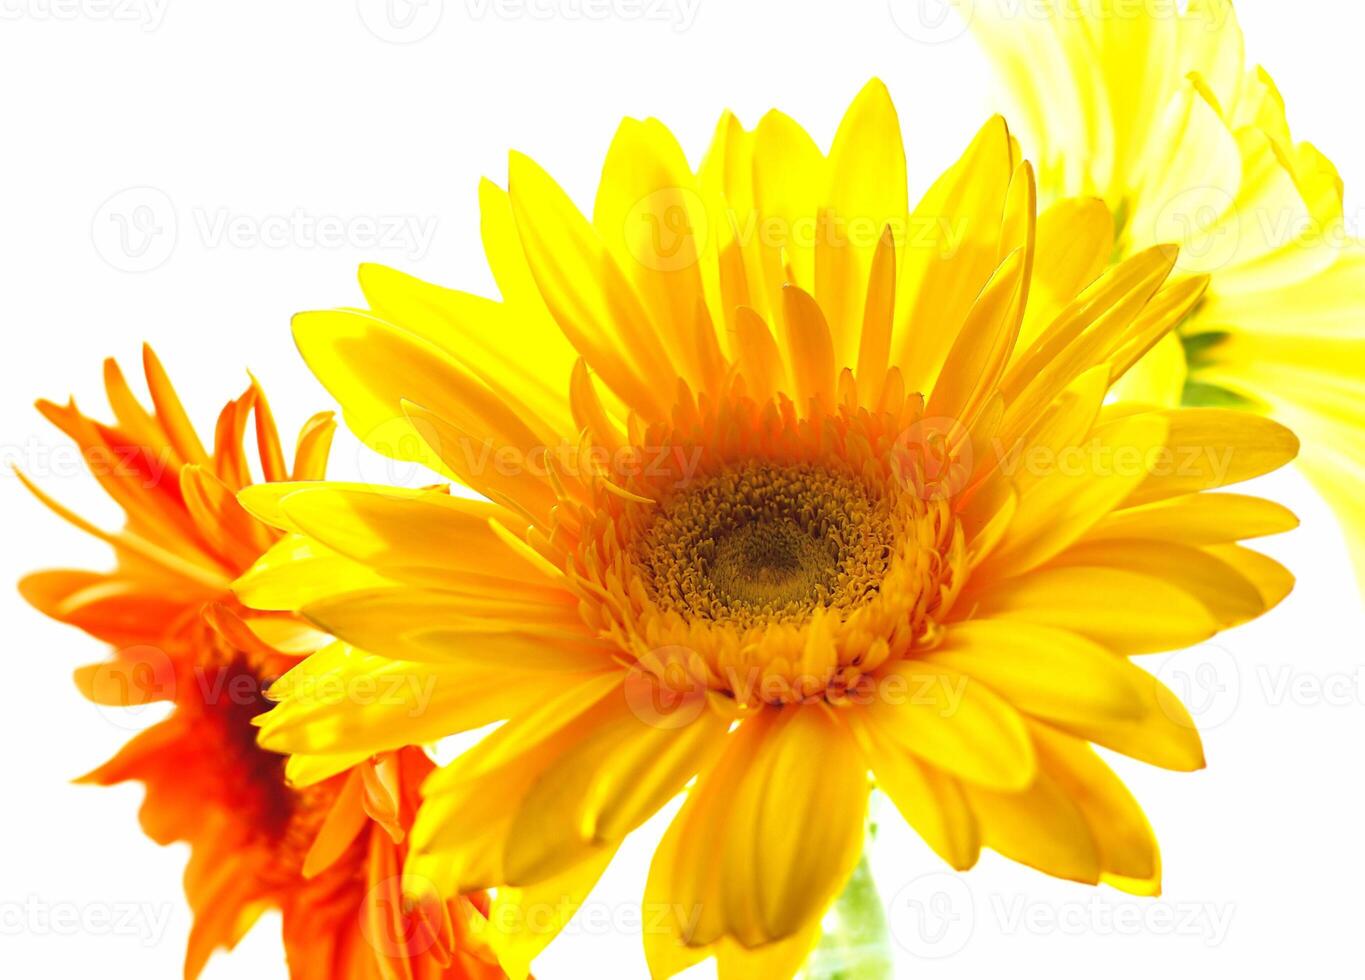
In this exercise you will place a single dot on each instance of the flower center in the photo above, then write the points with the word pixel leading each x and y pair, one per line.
pixel 766 542
pixel 772 565
pixel 232 684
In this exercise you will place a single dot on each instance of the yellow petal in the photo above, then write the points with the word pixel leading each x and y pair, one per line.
pixel 931 802
pixel 526 629
pixel 371 367
pixel 767 838
pixel 879 314
pixel 342 700
pixel 984 344
pixel 1075 241
pixel 653 221
pixel 616 775
pixel 495 341
pixel 760 360
pixel 1040 826
pixel 431 538
pixel 810 351
pixel 788 177
pixel 1208 448
pixel 1126 611
pixel 956 232
pixel 1158 379
pixel 297 570
pixel 867 193
pixel 1081 486
pixel 593 302
pixel 1045 672
pixel 1197 519
pixel 523 921
pixel 1228 595
pixel 944 719
pixel 462 830
pixel 1127 847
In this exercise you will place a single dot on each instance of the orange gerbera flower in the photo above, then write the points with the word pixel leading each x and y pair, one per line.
pixel 328 857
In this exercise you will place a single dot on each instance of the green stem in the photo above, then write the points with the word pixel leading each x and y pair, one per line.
pixel 856 944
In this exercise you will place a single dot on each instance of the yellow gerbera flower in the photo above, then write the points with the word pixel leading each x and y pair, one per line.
pixel 774 497
pixel 1154 110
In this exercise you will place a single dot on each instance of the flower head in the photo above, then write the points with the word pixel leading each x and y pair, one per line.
pixel 1154 110
pixel 775 495
pixel 328 856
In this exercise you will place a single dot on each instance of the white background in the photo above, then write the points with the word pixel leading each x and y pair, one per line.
pixel 269 117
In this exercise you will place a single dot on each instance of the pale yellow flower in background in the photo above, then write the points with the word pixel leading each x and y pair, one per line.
pixel 1154 110
pixel 786 484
